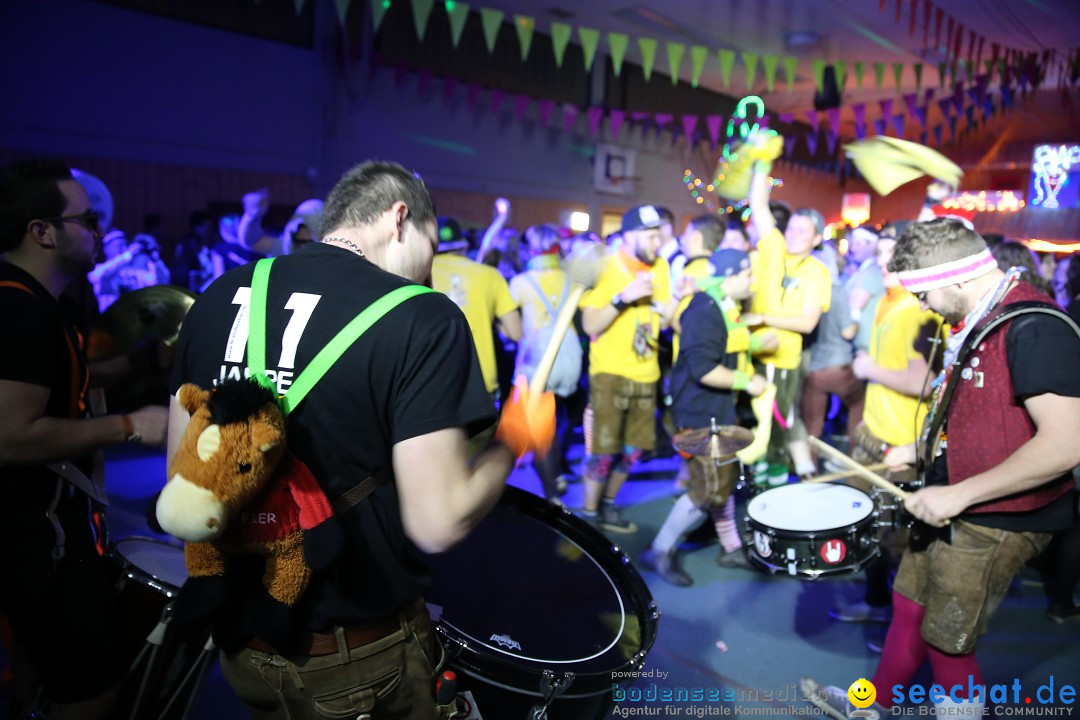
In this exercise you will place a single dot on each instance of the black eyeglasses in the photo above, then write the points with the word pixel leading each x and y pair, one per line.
pixel 89 220
pixel 921 296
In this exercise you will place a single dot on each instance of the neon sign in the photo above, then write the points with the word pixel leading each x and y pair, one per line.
pixel 1055 175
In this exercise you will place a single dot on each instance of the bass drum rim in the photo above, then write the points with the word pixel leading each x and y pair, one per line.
pixel 502 670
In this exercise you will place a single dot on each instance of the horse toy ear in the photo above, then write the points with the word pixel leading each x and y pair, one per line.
pixel 267 433
pixel 192 397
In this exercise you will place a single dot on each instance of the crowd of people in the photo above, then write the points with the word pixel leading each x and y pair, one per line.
pixel 874 339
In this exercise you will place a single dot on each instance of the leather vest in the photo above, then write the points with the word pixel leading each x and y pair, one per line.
pixel 986 423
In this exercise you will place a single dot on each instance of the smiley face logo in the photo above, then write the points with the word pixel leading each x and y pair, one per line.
pixel 862 693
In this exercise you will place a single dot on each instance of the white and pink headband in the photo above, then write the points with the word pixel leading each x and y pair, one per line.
pixel 950 273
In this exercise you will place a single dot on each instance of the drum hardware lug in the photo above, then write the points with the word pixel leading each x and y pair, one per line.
pixel 551 687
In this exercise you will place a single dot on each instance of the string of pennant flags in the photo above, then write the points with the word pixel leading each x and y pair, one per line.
pixel 949 34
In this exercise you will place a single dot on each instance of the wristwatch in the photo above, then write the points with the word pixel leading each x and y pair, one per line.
pixel 618 303
pixel 131 434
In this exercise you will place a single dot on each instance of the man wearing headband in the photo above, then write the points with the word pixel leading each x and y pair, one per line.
pixel 1000 476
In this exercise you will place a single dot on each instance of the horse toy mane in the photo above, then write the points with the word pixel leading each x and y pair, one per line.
pixel 234 489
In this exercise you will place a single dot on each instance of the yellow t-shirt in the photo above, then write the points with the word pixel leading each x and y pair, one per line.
pixel 483 295
pixel 612 352
pixel 785 286
pixel 697 268
pixel 900 334
pixel 534 315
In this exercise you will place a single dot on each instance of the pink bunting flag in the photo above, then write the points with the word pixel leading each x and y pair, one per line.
pixel 713 123
pixel 912 101
pixel 860 113
pixel 886 108
pixel 570 113
pixel 834 119
pixel 616 118
pixel 812 116
pixel 496 100
pixel 898 124
pixel 424 80
pixel 787 118
pixel 448 87
pixel 789 145
pixel 546 106
pixel 596 115
pixel 521 104
pixel 689 124
pixel 472 94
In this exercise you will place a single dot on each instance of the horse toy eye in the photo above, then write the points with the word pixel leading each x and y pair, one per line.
pixel 245 467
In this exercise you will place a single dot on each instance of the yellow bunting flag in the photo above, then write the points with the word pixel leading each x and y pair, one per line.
pixel 769 63
pixel 617 43
pixel 698 54
pixel 560 38
pixel 648 55
pixel 590 37
pixel 727 61
pixel 458 13
pixel 750 61
pixel 675 52
pixel 525 26
pixel 492 21
pixel 819 74
pixel 790 66
pixel 421 10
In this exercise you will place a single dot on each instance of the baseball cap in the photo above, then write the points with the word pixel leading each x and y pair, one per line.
pixel 642 217
pixel 450 236
pixel 729 261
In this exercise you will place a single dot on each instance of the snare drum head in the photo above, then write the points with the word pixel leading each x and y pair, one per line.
pixel 536 587
pixel 153 559
pixel 808 507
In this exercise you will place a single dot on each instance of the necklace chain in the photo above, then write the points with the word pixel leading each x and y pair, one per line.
pixel 344 241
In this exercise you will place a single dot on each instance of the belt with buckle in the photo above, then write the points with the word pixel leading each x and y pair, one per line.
pixel 314 644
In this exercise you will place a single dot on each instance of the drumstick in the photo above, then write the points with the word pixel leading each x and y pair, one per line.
pixel 846 474
pixel 858 469
pixel 562 323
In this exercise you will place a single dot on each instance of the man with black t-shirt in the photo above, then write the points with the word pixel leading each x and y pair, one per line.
pixel 406 394
pixel 54 588
pixel 1000 482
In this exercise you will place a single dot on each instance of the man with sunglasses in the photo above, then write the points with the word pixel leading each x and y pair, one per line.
pixel 54 589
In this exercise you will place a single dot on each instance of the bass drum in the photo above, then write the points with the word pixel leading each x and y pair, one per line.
pixel 541 615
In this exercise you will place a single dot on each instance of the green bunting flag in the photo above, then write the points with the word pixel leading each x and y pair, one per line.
pixel 750 61
pixel 917 67
pixel 525 26
pixel 941 69
pixel 769 63
pixel 590 38
pixel 648 56
pixel 617 43
pixel 421 10
pixel 298 6
pixel 841 73
pixel 459 13
pixel 342 7
pixel 790 65
pixel 879 74
pixel 860 67
pixel 727 61
pixel 491 20
pixel 675 52
pixel 560 38
pixel 698 54
pixel 819 74
pixel 898 72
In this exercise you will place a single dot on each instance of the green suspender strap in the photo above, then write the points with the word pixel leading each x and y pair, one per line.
pixel 325 359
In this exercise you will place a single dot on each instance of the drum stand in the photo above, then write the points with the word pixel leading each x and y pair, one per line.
pixel 191 681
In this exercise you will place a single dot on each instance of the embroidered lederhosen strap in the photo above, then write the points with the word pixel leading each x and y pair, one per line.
pixel 991 322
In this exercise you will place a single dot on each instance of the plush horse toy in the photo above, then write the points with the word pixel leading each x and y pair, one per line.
pixel 234 489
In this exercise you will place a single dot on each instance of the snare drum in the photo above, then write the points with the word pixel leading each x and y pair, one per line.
pixel 540 613
pixel 812 530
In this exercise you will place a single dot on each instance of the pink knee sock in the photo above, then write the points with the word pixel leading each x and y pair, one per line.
pixel 953 670
pixel 904 651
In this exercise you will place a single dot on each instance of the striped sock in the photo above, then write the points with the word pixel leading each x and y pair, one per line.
pixel 682 518
pixel 726 527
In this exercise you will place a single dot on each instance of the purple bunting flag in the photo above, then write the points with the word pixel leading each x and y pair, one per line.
pixel 616 117
pixel 713 123
pixel 521 104
pixel 834 119
pixel 860 130
pixel 787 118
pixel 811 143
pixel 879 126
pixel 570 113
pixel 898 124
pixel 689 124
pixel 789 145
pixel 812 116
pixel 596 115
pixel 546 106
pixel 886 108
